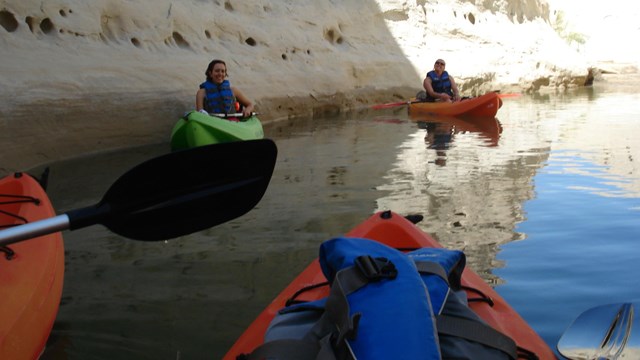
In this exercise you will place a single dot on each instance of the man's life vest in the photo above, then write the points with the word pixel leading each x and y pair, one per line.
pixel 384 304
pixel 440 84
pixel 219 98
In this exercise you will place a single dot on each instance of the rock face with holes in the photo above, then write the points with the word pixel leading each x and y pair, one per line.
pixel 105 63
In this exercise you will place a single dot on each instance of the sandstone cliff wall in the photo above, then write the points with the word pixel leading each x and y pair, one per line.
pixel 67 48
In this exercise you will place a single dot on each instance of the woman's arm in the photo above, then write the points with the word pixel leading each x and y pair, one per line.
pixel 200 99
pixel 244 101
pixel 428 88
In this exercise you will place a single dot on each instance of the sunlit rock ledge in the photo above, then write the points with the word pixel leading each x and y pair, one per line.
pixel 107 63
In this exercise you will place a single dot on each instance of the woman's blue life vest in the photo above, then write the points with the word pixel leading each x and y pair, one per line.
pixel 218 98
pixel 440 84
pixel 384 304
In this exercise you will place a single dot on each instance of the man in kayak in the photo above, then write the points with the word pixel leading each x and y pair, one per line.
pixel 439 85
pixel 217 96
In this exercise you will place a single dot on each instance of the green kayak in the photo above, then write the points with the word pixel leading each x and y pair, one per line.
pixel 197 129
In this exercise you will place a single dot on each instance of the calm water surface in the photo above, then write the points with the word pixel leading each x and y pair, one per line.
pixel 544 200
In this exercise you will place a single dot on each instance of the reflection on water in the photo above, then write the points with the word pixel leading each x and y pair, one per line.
pixel 535 197
pixel 441 130
pixel 467 186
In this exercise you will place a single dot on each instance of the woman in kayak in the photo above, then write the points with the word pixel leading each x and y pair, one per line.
pixel 439 85
pixel 217 96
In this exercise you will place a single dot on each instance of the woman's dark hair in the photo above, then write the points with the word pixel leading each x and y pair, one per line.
pixel 211 65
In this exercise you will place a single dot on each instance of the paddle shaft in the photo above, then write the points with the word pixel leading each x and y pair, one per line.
pixel 231 115
pixel 32 230
pixel 390 105
pixel 74 219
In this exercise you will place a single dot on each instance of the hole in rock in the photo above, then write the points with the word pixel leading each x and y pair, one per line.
pixel 31 22
pixel 471 18
pixel 180 41
pixel 8 21
pixel 46 26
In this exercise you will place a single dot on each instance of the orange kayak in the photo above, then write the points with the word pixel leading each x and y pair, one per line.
pixel 31 271
pixel 394 230
pixel 484 105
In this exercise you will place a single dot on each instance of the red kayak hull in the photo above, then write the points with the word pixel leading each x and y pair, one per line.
pixel 31 281
pixel 484 105
pixel 397 232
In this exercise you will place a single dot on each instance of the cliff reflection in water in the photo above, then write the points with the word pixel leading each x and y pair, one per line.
pixel 462 179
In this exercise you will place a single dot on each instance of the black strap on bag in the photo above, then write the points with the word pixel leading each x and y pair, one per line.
pixel 477 332
pixel 460 327
pixel 332 343
pixel 366 270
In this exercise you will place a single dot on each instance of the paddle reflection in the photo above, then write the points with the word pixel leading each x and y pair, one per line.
pixel 442 130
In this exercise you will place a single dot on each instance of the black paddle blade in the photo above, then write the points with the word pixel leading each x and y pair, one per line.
pixel 185 191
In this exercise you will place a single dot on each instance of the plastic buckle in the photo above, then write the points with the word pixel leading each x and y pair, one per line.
pixel 376 269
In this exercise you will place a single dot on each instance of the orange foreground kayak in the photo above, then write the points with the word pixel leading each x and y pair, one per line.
pixel 31 271
pixel 394 230
pixel 484 105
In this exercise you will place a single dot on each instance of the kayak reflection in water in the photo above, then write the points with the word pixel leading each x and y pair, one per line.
pixel 441 129
pixel 438 137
